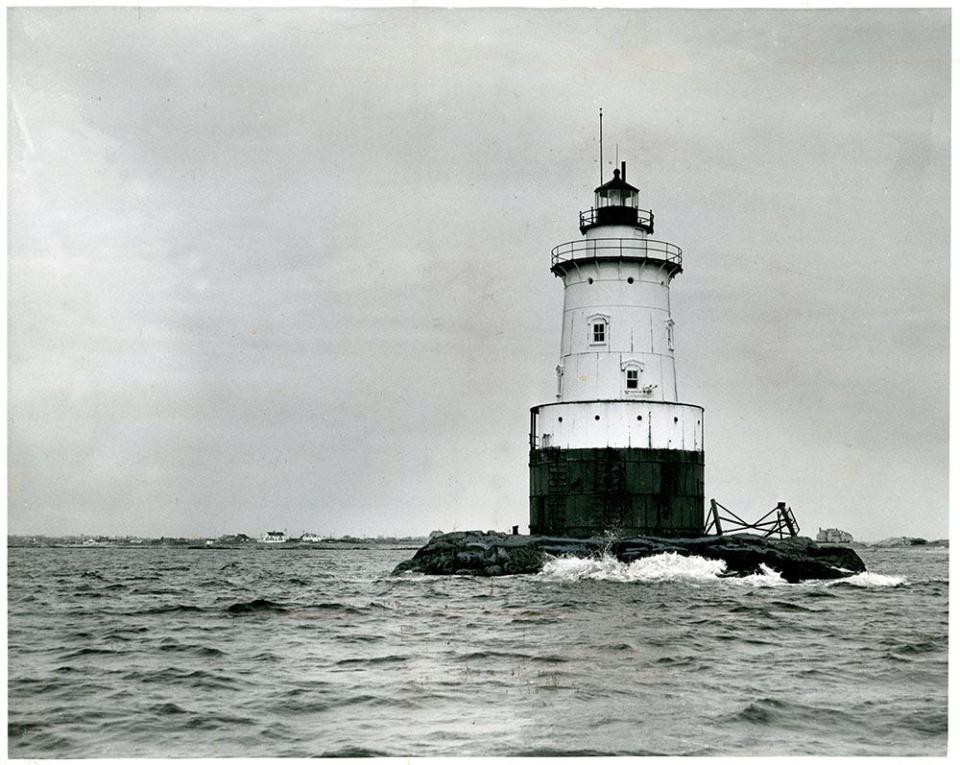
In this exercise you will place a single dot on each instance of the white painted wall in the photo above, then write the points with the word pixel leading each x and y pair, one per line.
pixel 620 232
pixel 633 298
pixel 620 424
pixel 595 408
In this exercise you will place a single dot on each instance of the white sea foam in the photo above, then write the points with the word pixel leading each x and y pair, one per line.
pixel 869 579
pixel 673 567
pixel 657 568
pixel 767 577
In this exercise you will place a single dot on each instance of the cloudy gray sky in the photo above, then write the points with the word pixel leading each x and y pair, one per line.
pixel 289 268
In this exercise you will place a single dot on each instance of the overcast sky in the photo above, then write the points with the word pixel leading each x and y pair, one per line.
pixel 289 268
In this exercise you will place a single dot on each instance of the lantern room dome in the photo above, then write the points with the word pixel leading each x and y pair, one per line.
pixel 617 185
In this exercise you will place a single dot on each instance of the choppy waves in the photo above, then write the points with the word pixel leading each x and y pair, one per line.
pixel 203 653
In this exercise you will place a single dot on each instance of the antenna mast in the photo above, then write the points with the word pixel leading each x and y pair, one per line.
pixel 601 145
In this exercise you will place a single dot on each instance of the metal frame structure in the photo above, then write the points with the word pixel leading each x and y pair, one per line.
pixel 783 523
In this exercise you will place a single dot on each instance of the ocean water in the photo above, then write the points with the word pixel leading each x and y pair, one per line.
pixel 178 652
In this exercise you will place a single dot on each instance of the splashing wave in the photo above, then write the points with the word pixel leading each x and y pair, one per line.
pixel 673 567
pixel 870 579
pixel 657 568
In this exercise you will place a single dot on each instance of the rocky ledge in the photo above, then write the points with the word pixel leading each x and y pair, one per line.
pixel 495 554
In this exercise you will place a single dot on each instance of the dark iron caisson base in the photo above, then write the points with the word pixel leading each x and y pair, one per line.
pixel 628 492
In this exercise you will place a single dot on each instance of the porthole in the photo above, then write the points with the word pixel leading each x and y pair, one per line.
pixel 559 419
pixel 629 280
pixel 639 417
pixel 676 419
pixel 590 280
pixel 596 416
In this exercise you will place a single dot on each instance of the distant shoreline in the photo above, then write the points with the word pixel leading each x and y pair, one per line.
pixel 405 543
pixel 352 543
pixel 901 542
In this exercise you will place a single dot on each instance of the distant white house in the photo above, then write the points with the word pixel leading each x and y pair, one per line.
pixel 834 535
pixel 310 537
pixel 274 536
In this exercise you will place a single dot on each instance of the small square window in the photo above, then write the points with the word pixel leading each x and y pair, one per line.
pixel 633 379
pixel 600 333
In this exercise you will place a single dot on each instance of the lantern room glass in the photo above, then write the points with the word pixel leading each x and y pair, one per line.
pixel 617 198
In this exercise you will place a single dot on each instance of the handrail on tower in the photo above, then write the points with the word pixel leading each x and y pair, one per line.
pixel 627 216
pixel 647 249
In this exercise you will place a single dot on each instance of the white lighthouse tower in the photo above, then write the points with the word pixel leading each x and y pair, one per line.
pixel 617 451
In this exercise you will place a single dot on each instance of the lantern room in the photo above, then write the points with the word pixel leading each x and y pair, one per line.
pixel 616 204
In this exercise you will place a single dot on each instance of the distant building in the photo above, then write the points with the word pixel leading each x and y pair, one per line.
pixel 274 536
pixel 308 537
pixel 834 535
pixel 235 539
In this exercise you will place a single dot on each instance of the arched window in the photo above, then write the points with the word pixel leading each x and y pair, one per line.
pixel 598 327
pixel 631 375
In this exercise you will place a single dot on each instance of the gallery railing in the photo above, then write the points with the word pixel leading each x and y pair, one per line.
pixel 650 249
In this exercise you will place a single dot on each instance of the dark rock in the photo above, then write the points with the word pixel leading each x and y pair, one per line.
pixel 496 554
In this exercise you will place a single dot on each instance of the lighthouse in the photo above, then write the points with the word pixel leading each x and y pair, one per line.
pixel 617 451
